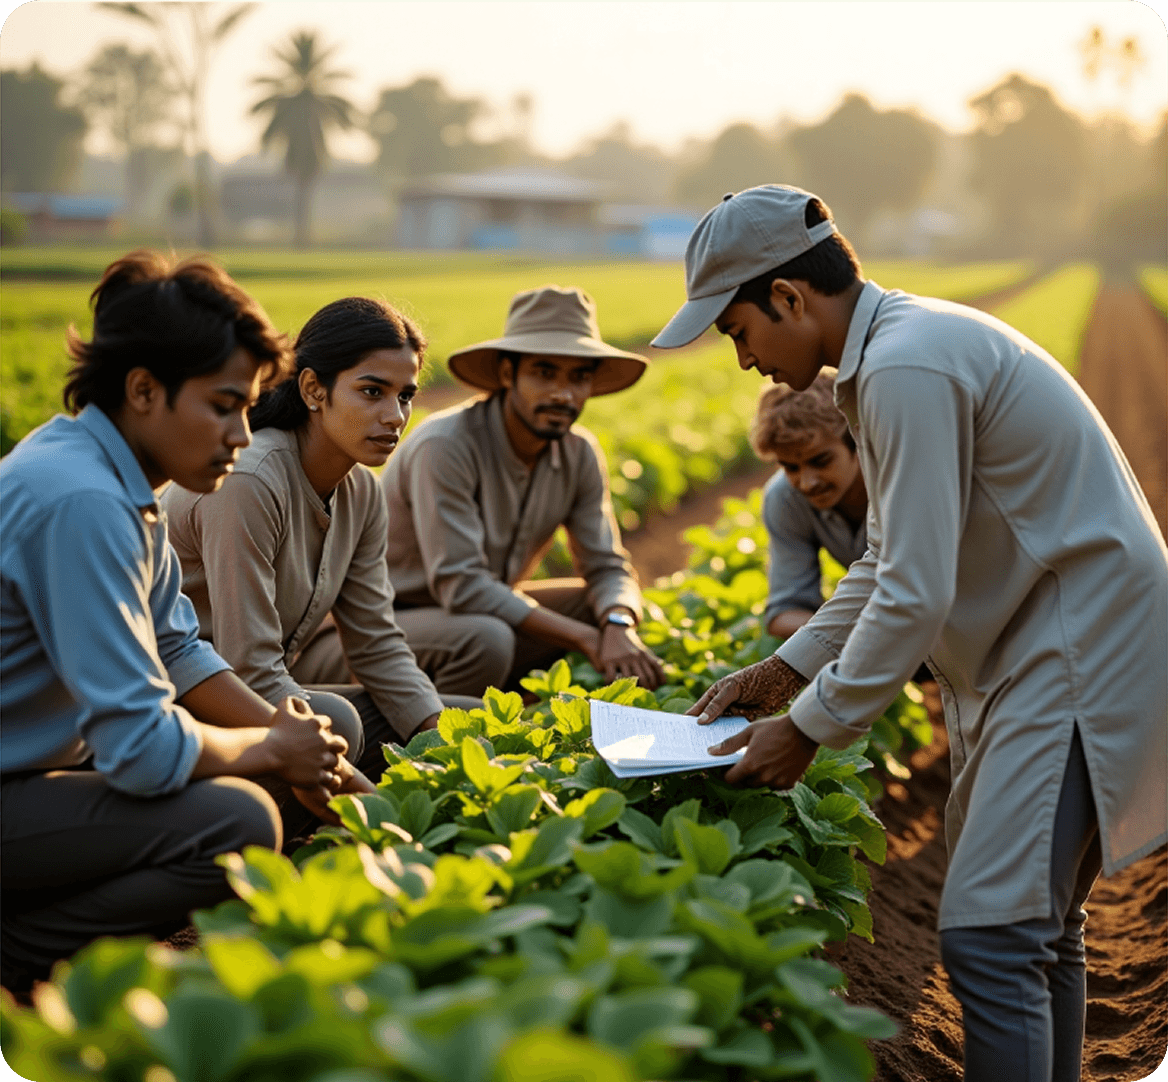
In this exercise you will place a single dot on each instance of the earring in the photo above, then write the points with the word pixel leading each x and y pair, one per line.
pixel 313 408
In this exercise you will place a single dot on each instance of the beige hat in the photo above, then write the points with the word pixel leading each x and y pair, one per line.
pixel 552 320
pixel 744 236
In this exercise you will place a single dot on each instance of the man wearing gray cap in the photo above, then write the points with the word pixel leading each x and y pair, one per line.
pixel 1009 545
pixel 477 492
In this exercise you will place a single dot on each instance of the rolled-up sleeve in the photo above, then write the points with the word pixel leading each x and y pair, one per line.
pixel 594 540
pixel 99 629
pixel 441 485
pixel 920 427
pixel 794 577
pixel 375 647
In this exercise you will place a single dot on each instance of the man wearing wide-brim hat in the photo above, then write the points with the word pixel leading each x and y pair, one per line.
pixel 477 492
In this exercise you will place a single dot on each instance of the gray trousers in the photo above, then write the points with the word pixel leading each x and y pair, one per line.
pixel 465 653
pixel 81 860
pixel 1023 986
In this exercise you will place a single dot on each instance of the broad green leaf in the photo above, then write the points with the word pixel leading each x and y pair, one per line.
pixel 720 991
pixel 512 809
pixel 487 779
pixel 241 964
pixel 559 677
pixel 203 1035
pixel 416 813
pixel 623 869
pixel 873 838
pixel 573 718
pixel 328 962
pixel 599 809
pixel 689 809
pixel 628 918
pixel 503 706
pixel 747 1048
pixel 564 909
pixel 440 834
pixel 707 848
pixel 837 807
pixel 101 974
pixel 455 725
pixel 641 829
pixel 622 1019
pixel 551 1055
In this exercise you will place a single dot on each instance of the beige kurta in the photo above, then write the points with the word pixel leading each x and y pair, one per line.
pixel 481 519
pixel 1010 543
pixel 264 563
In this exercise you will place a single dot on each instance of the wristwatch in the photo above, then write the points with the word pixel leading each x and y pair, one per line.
pixel 621 618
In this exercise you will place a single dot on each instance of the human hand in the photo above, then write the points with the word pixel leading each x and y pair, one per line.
pixel 623 654
pixel 758 690
pixel 304 750
pixel 777 754
pixel 345 779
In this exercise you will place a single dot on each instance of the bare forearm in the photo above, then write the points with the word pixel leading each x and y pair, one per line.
pixel 239 752
pixel 559 630
pixel 226 702
pixel 784 624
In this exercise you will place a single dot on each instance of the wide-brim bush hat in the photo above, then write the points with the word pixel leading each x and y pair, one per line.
pixel 550 320
pixel 744 236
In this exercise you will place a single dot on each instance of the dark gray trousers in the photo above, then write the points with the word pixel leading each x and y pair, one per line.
pixel 81 860
pixel 1023 986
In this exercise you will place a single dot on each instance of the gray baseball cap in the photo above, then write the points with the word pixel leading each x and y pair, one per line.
pixel 747 234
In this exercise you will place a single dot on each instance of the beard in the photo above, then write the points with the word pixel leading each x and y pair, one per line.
pixel 544 433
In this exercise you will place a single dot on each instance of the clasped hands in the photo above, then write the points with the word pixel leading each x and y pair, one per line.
pixel 310 757
pixel 777 752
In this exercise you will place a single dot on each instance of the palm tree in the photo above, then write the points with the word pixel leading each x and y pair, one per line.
pixel 301 109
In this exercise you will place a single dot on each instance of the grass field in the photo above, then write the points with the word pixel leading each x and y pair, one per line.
pixel 457 299
pixel 1054 311
pixel 1154 279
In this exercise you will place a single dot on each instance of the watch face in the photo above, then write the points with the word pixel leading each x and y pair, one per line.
pixel 620 618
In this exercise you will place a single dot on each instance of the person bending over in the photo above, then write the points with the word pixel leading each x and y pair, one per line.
pixel 126 743
pixel 477 492
pixel 1009 542
pixel 298 533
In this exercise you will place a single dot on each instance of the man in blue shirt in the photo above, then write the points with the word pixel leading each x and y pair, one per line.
pixel 126 740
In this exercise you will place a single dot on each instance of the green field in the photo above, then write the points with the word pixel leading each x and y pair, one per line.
pixel 456 298
pixel 1054 312
pixel 1154 279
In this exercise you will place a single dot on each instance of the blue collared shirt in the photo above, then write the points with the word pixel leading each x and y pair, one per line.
pixel 96 639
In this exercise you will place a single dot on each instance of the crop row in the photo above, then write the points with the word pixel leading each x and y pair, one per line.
pixel 506 910
pixel 457 299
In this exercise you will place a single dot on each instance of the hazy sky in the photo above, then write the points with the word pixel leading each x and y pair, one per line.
pixel 671 70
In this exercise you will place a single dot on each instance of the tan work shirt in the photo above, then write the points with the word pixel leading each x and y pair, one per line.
pixel 265 562
pixel 469 519
pixel 1008 541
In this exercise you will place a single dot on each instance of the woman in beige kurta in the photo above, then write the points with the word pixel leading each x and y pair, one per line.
pixel 298 532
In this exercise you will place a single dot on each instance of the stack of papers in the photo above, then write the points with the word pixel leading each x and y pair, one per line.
pixel 637 743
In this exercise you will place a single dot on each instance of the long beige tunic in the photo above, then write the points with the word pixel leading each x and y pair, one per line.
pixel 470 519
pixel 1010 543
pixel 264 563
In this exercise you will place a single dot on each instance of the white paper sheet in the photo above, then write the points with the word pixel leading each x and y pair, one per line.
pixel 638 743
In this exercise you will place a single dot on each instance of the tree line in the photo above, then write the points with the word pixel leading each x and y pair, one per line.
pixel 1046 181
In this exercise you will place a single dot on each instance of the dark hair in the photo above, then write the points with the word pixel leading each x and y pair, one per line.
pixel 829 267
pixel 177 321
pixel 334 339
pixel 789 416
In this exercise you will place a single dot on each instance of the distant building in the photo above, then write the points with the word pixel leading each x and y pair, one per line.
pixel 527 209
pixel 648 232
pixel 56 217
pixel 257 197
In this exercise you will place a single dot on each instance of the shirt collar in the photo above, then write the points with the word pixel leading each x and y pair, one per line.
pixel 498 429
pixel 95 421
pixel 862 316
